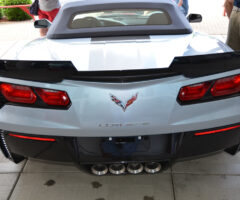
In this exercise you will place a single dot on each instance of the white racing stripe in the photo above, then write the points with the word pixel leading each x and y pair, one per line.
pixel 125 53
pixel 156 52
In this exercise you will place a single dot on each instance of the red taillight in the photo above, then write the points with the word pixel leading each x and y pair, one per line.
pixel 33 138
pixel 24 94
pixel 226 86
pixel 53 97
pixel 17 93
pixel 193 92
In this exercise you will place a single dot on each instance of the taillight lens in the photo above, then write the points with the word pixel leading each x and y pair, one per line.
pixel 221 87
pixel 17 93
pixel 226 86
pixel 31 95
pixel 194 92
pixel 53 97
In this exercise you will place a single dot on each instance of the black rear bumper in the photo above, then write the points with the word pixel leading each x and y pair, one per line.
pixel 87 150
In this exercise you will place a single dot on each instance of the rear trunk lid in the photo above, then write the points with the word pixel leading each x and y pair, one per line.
pixel 124 53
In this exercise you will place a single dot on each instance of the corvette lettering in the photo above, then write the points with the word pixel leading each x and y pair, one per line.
pixel 119 125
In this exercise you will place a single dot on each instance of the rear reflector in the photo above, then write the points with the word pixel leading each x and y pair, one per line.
pixel 194 92
pixel 226 86
pixel 217 131
pixel 32 138
pixel 17 93
pixel 53 97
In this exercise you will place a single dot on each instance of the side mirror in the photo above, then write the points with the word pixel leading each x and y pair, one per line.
pixel 194 18
pixel 42 23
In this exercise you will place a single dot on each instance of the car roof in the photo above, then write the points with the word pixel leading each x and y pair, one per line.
pixel 60 27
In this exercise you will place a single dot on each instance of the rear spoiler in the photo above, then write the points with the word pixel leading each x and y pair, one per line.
pixel 56 71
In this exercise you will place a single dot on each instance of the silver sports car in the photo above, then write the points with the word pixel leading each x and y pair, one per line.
pixel 120 86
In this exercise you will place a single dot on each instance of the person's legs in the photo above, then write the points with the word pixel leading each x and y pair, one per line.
pixel 185 6
pixel 42 15
pixel 43 31
pixel 233 36
pixel 238 33
pixel 49 16
pixel 183 10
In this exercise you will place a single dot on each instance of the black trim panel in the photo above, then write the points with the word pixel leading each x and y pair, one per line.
pixel 120 31
pixel 56 71
pixel 40 71
pixel 161 148
pixel 204 65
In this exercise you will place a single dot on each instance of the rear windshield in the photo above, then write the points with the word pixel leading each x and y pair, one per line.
pixel 123 17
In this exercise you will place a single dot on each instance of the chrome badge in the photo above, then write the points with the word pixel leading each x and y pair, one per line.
pixel 124 106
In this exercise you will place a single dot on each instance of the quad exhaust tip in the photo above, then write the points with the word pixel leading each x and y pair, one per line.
pixel 132 168
pixel 117 169
pixel 152 167
pixel 135 168
pixel 99 169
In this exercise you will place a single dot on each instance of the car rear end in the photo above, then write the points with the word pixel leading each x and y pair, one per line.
pixel 152 116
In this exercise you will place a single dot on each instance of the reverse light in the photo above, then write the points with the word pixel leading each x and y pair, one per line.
pixel 53 97
pixel 194 92
pixel 32 138
pixel 18 93
pixel 226 86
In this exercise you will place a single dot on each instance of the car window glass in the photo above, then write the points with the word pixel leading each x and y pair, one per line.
pixel 123 17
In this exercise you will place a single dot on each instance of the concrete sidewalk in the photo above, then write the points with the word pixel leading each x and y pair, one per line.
pixel 212 178
pixel 212 12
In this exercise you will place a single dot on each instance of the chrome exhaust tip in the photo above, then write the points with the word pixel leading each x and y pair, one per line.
pixel 152 167
pixel 135 168
pixel 99 169
pixel 117 169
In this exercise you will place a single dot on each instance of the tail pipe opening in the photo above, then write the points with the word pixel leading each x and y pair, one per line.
pixel 117 169
pixel 152 167
pixel 99 169
pixel 135 168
